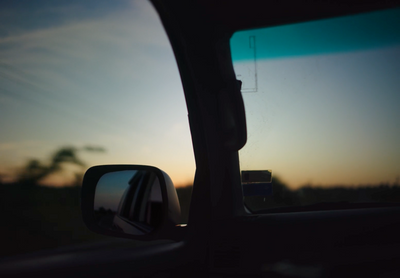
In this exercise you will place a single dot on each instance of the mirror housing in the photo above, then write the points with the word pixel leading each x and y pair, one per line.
pixel 130 201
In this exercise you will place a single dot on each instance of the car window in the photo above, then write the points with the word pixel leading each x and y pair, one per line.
pixel 82 84
pixel 321 101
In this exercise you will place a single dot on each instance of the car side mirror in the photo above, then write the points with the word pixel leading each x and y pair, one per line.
pixel 131 201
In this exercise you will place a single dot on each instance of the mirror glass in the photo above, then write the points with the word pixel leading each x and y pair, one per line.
pixel 128 201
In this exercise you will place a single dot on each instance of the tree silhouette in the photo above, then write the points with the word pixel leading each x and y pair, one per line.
pixel 34 171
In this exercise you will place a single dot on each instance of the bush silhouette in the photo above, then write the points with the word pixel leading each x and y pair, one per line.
pixel 35 171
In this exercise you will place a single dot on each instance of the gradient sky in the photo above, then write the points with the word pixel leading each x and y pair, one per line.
pixel 103 73
pixel 329 118
pixel 91 73
pixel 112 186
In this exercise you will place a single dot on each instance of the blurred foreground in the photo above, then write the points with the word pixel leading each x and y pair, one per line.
pixel 327 197
pixel 38 217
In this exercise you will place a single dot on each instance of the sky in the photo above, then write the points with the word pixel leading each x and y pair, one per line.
pixel 100 73
pixel 322 100
pixel 110 189
pixel 112 186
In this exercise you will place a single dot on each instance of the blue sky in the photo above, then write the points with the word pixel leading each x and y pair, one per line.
pixel 97 73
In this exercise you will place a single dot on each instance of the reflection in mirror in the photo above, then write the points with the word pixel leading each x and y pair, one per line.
pixel 128 201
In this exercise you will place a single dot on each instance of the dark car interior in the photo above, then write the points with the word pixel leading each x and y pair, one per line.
pixel 223 238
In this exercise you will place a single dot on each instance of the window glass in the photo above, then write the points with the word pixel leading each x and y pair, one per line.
pixel 322 106
pixel 82 84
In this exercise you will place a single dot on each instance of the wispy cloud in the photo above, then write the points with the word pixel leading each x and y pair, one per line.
pixel 108 79
pixel 87 59
pixel 122 31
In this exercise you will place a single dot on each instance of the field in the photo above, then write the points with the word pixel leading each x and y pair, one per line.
pixel 38 217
